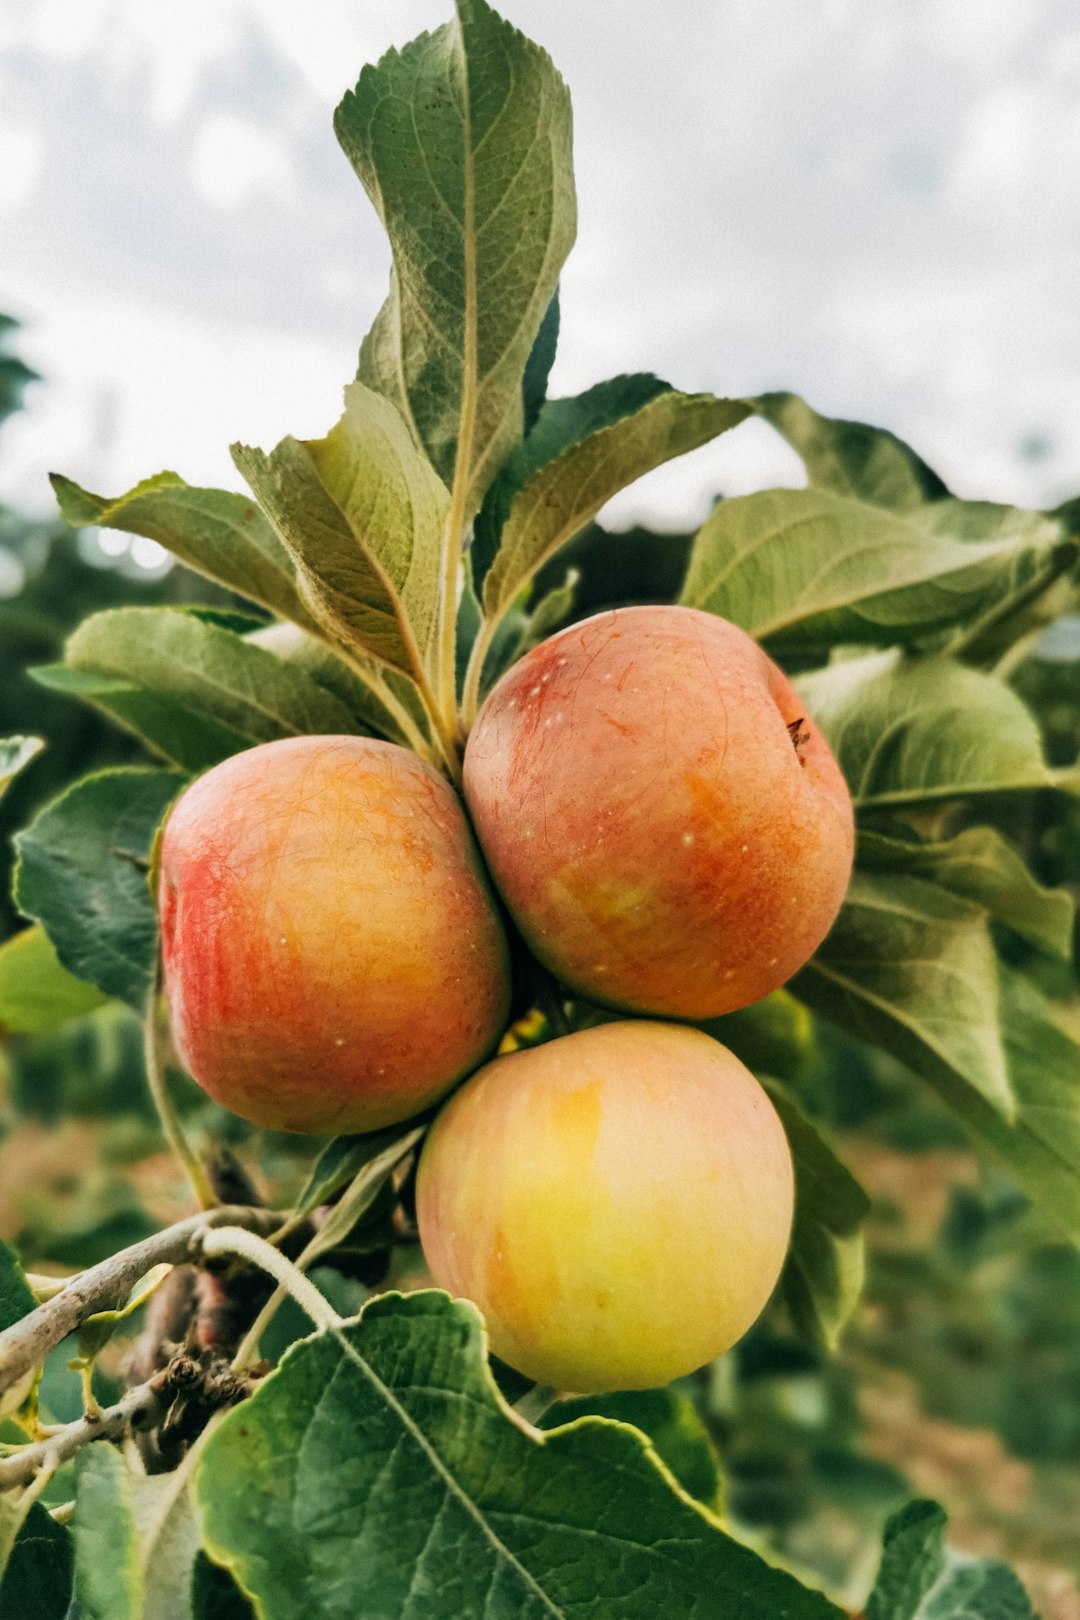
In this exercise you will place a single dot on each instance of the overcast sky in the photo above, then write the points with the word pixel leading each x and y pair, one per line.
pixel 875 203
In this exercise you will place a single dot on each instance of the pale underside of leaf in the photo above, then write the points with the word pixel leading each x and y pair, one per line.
pixel 362 515
pixel 910 731
pixel 212 672
pixel 978 865
pixel 808 567
pixel 217 532
pixel 912 968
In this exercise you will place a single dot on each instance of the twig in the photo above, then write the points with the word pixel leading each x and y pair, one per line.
pixel 27 1342
pixel 139 1409
pixel 170 1124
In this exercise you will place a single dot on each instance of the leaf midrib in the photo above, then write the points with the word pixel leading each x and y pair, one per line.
pixel 450 1483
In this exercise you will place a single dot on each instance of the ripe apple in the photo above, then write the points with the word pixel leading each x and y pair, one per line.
pixel 661 815
pixel 617 1203
pixel 333 957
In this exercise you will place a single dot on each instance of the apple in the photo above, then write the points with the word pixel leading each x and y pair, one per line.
pixel 660 813
pixel 333 957
pixel 617 1203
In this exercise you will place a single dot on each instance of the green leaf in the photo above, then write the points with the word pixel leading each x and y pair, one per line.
pixel 169 1539
pixel 913 731
pixel 919 1579
pixel 15 753
pixel 368 690
pixel 378 1472
pixel 36 1584
pixel 633 565
pixel 216 692
pixel 851 458
pixel 36 992
pixel 82 875
pixel 534 380
pixel 823 1276
pixel 524 627
pixel 16 1301
pixel 912 968
pixel 108 1575
pixel 978 865
pixel 771 1036
pixel 1042 1145
pixel 362 514
pixel 667 1419
pixel 218 533
pixel 16 1298
pixel 560 425
pixel 192 741
pixel 806 568
pixel 345 1158
pixel 462 140
pixel 581 453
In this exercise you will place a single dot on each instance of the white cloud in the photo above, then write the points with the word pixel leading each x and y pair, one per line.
pixel 21 154
pixel 234 160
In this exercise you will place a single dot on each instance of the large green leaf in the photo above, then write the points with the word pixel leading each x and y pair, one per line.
pixel 36 991
pixel 108 1571
pixel 216 532
pixel 462 140
pixel 670 1421
pixel 362 513
pixel 82 875
pixel 15 753
pixel 908 968
pixel 214 692
pixel 920 1579
pixel 377 1472
pixel 808 568
pixel 1042 1145
pixel 978 865
pixel 911 967
pixel 851 458
pixel 36 1584
pixel 823 1276
pixel 581 453
pixel 912 731
pixel 190 740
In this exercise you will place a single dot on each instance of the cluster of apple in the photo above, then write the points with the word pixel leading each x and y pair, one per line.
pixel 671 837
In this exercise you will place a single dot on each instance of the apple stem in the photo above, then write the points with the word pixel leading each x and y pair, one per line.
pixel 535 1402
pixel 249 1246
pixel 170 1123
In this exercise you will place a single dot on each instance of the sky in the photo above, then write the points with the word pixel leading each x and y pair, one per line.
pixel 876 205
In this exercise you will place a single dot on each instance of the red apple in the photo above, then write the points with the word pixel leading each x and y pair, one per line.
pixel 333 958
pixel 661 815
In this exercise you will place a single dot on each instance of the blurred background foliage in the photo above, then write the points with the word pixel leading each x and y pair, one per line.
pixel 959 1377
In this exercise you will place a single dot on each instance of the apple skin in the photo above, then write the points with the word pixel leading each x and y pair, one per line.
pixel 666 837
pixel 332 953
pixel 617 1203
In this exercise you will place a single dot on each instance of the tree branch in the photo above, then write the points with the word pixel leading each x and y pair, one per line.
pixel 27 1342
pixel 140 1408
